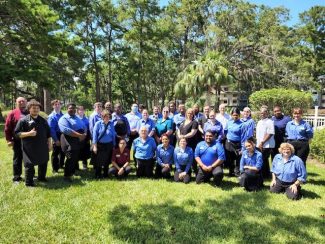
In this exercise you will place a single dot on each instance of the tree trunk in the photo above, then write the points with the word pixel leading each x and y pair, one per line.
pixel 109 85
pixel 47 101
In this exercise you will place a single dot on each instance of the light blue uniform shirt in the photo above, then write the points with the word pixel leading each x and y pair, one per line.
pixel 53 121
pixel 178 119
pixel 68 124
pixel 85 120
pixel 210 153
pixel 93 118
pixel 303 131
pixel 183 157
pixel 133 119
pixel 216 128
pixel 248 127
pixel 109 134
pixel 255 160
pixel 290 171
pixel 149 124
pixel 165 156
pixel 144 150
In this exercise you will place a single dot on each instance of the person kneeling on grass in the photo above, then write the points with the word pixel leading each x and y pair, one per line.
pixel 250 166
pixel 210 155
pixel 35 136
pixel 144 148
pixel 183 158
pixel 120 160
pixel 165 158
pixel 288 172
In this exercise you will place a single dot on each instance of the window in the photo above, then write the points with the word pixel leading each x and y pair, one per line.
pixel 225 101
pixel 234 101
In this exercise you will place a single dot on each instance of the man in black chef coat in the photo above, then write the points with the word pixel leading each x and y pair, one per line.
pixel 34 132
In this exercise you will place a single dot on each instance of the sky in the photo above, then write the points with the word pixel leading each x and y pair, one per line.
pixel 295 6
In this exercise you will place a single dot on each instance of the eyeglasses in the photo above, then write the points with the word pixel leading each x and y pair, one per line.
pixel 165 111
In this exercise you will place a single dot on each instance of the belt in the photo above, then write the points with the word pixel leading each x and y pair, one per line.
pixel 298 140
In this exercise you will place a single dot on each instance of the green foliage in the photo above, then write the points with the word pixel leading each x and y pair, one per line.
pixel 286 98
pixel 317 146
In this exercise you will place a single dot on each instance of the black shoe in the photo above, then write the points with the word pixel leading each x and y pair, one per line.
pixel 68 179
pixel 17 179
pixel 30 184
pixel 42 179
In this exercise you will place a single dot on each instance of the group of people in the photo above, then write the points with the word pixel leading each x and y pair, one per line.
pixel 177 141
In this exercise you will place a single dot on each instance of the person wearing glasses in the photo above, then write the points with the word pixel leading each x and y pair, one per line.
pixel 120 161
pixel 163 126
pixel 214 125
pixel 299 134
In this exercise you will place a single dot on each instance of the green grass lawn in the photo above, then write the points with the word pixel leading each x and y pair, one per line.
pixel 155 211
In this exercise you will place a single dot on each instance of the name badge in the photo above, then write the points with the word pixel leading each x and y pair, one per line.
pixel 118 155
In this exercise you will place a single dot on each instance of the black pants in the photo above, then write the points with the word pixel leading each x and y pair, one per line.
pixel 187 177
pixel 72 158
pixel 131 139
pixel 266 152
pixel 281 186
pixel 233 157
pixel 162 172
pixel 275 150
pixel 216 173
pixel 17 160
pixel 30 172
pixel 103 158
pixel 57 158
pixel 251 180
pixel 145 167
pixel 301 149
pixel 114 171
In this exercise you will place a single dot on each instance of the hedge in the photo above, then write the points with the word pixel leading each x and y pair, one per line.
pixel 317 146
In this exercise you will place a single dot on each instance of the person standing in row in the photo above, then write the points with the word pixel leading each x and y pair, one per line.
pixel 93 118
pixel 209 155
pixel 121 124
pixel 180 117
pixel 299 134
pixel 223 117
pixel 280 123
pixel 103 143
pixel 165 158
pixel 197 113
pixel 156 115
pixel 172 110
pixel 214 125
pixel 144 148
pixel 74 132
pixel 250 167
pixel 133 117
pixel 164 126
pixel 85 153
pixel 120 161
pixel 202 121
pixel 265 140
pixel 12 141
pixel 183 159
pixel 57 156
pixel 188 128
pixel 147 122
pixel 35 135
pixel 108 107
pixel 248 123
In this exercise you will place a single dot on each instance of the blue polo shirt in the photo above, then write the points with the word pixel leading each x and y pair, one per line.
pixel 144 150
pixel 149 124
pixel 133 119
pixel 209 153
pixel 248 127
pixel 116 118
pixel 53 121
pixel 279 127
pixel 109 134
pixel 290 171
pixel 68 124
pixel 178 119
pixel 198 116
pixel 302 131
pixel 165 155
pixel 172 115
pixel 155 117
pixel 216 128
pixel 93 118
pixel 183 157
pixel 254 160
pixel 235 131
pixel 162 126
pixel 85 120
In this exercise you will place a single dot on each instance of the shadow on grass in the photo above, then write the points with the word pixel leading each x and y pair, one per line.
pixel 312 174
pixel 316 182
pixel 309 194
pixel 235 219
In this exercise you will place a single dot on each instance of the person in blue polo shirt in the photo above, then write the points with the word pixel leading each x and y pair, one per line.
pixel 165 158
pixel 248 123
pixel 288 172
pixel 214 125
pixel 163 126
pixel 121 124
pixel 147 122
pixel 133 117
pixel 180 117
pixel 183 159
pixel 95 116
pixel 210 155
pixel 103 143
pixel 74 133
pixel 57 156
pixel 85 149
pixel 299 134
pixel 250 166
pixel 156 115
pixel 144 148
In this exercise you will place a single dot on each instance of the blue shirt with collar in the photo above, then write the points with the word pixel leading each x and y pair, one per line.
pixel 290 171
pixel 235 131
pixel 155 117
pixel 85 120
pixel 248 127
pixel 198 116
pixel 144 150
pixel 133 119
pixel 279 127
pixel 109 134
pixel 149 124
pixel 165 156
pixel 116 117
pixel 68 124
pixel 163 125
pixel 209 153
pixel 302 131
pixel 53 122
pixel 216 128
pixel 178 119
pixel 172 115
pixel 254 160
pixel 183 157
pixel 93 118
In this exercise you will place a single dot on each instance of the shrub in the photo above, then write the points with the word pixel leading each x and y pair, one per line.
pixel 286 98
pixel 317 146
